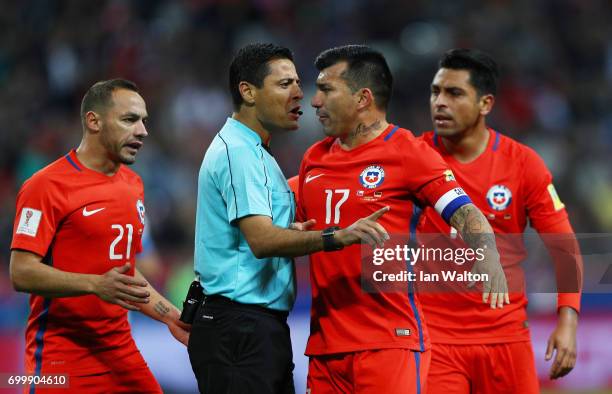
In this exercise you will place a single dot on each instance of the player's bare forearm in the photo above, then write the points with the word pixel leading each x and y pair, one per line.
pixel 474 228
pixel 158 307
pixel 478 234
pixel 29 274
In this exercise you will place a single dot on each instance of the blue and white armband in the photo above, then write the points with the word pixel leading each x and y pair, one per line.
pixel 450 201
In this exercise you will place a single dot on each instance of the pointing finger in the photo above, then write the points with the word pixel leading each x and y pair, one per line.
pixel 376 215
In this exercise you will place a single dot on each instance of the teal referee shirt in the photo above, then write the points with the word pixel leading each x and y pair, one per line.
pixel 239 178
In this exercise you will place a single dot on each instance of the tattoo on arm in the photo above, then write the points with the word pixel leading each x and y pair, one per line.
pixel 363 129
pixel 161 308
pixel 473 227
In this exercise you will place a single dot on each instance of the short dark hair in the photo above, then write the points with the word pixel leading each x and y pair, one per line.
pixel 251 65
pixel 99 96
pixel 483 70
pixel 366 68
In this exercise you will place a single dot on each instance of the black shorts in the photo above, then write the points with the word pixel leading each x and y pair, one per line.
pixel 241 349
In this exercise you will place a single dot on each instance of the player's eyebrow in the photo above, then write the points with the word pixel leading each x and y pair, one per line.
pixel 289 80
pixel 134 115
pixel 451 89
pixel 321 85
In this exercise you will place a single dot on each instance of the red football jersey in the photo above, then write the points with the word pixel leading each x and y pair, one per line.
pixel 294 185
pixel 509 183
pixel 338 187
pixel 86 222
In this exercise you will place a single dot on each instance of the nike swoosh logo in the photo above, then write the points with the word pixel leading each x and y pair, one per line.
pixel 312 178
pixel 89 213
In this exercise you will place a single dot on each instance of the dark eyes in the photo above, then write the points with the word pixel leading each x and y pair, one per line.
pixel 286 84
pixel 451 92
pixel 134 119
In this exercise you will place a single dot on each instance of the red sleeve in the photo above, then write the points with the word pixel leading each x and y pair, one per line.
pixel 567 259
pixel 431 180
pixel 548 216
pixel 39 212
pixel 294 185
pixel 543 205
pixel 297 186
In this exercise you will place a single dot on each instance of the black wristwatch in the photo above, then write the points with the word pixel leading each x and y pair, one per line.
pixel 329 243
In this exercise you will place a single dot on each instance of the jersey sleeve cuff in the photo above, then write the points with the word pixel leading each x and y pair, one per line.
pixel 571 300
pixel 29 247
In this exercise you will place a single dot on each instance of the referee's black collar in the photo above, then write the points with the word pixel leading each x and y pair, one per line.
pixel 267 148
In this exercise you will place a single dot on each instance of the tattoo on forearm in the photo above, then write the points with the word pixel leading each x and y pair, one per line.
pixel 473 227
pixel 161 308
pixel 363 129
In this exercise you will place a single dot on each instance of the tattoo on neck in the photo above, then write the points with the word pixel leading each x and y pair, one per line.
pixel 362 129
pixel 161 308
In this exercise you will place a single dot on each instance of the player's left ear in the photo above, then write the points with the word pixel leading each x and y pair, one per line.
pixel 486 104
pixel 93 121
pixel 365 98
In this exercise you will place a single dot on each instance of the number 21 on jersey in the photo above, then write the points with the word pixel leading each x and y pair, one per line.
pixel 111 250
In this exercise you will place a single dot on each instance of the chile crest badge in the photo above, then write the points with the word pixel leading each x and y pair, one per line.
pixel 372 177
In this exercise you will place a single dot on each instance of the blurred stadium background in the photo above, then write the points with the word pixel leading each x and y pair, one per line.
pixel 555 95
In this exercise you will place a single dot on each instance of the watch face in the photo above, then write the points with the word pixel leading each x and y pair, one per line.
pixel 330 230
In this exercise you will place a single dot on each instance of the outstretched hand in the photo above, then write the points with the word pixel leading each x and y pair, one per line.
pixel 365 230
pixel 124 290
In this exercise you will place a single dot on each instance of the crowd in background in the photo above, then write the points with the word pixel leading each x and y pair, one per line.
pixel 555 88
